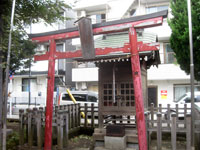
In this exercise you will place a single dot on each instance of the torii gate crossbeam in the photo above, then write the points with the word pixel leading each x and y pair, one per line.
pixel 133 48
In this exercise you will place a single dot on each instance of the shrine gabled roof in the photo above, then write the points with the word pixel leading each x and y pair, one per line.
pixel 119 39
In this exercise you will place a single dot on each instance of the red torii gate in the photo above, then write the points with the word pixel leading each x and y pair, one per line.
pixel 134 47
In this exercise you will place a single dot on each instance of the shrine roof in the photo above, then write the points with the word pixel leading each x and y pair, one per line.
pixel 119 39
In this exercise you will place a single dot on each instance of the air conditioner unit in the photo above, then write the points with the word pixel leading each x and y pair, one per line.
pixel 41 49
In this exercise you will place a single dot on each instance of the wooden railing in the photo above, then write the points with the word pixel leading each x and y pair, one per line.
pixel 162 120
pixel 67 120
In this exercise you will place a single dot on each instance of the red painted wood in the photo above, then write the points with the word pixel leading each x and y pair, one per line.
pixel 99 51
pixel 102 30
pixel 49 102
pixel 137 82
pixel 41 57
pixel 147 47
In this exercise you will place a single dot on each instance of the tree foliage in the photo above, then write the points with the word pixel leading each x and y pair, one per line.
pixel 26 12
pixel 180 34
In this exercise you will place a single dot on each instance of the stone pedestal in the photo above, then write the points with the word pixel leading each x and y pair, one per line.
pixel 115 143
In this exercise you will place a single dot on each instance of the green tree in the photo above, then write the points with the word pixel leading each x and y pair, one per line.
pixel 26 12
pixel 180 34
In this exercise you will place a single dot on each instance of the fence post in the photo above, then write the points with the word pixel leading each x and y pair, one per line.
pixel 35 102
pixel 177 112
pixel 168 115
pixel 34 124
pixel 66 136
pixel 75 116
pixel 173 131
pixel 128 118
pixel 42 113
pixel 60 130
pixel 15 100
pixel 188 131
pixel 72 115
pixel 69 116
pixel 160 108
pixel 92 115
pixel 86 116
pixel 39 131
pixel 185 114
pixel 79 115
pixel 30 135
pixel 159 131
pixel 147 127
pixel 21 127
pixel 152 113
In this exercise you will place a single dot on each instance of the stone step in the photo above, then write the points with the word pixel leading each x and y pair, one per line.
pixel 127 130
pixel 103 148
pixel 98 136
pixel 131 135
pixel 103 142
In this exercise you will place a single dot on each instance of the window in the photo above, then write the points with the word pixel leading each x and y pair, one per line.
pixel 58 81
pixel 61 62
pixel 187 100
pixel 25 84
pixel 60 47
pixel 156 9
pixel 78 97
pixel 61 24
pixel 180 90
pixel 98 18
pixel 92 99
pixel 169 54
pixel 132 12
pixel 197 98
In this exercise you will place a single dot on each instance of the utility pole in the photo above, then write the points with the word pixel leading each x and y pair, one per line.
pixel 1 84
pixel 6 77
pixel 191 73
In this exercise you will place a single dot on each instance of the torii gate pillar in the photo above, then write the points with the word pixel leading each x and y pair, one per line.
pixel 137 82
pixel 50 91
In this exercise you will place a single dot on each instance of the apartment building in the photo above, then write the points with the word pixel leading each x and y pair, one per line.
pixel 165 83
pixel 37 72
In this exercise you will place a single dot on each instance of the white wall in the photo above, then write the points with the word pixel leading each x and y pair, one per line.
pixel 84 74
pixel 40 86
pixel 166 85
pixel 118 8
pixel 164 77
pixel 166 72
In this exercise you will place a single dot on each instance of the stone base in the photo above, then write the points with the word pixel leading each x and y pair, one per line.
pixel 115 143
pixel 131 140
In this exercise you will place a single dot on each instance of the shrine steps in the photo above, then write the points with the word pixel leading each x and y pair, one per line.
pixel 129 141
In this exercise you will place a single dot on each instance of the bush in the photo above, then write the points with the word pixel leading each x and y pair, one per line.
pixel 12 141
